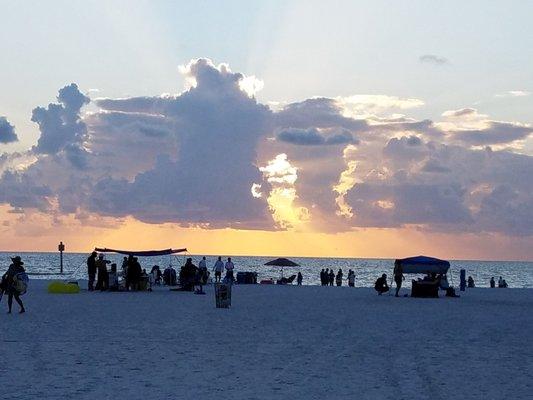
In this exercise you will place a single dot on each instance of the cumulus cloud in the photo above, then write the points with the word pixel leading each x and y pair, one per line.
pixel 218 126
pixel 433 59
pixel 442 187
pixel 61 127
pixel 213 156
pixel 7 131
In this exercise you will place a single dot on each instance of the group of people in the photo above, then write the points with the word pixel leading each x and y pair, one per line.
pixel 14 283
pixel 132 272
pixel 329 278
pixel 502 283
pixel 136 278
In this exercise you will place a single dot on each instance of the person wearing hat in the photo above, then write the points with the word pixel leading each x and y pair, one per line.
pixel 9 278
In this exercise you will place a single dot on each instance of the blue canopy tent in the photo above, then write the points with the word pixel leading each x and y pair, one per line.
pixel 429 266
pixel 423 265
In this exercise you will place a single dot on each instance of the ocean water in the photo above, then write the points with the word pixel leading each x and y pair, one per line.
pixel 517 274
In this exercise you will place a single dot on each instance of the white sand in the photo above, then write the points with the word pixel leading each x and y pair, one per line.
pixel 275 343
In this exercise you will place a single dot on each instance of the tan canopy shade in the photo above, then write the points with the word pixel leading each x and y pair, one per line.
pixel 145 253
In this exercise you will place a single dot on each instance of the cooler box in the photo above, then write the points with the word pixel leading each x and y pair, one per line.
pixel 244 278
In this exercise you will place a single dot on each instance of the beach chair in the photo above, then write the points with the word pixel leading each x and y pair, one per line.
pixel 286 281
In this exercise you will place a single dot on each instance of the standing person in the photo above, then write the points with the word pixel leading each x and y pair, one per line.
pixel 129 272
pixel 322 277
pixel 12 284
pixel 124 267
pixel 326 277
pixel 299 279
pixel 113 278
pixel 218 268
pixel 331 277
pixel 229 270
pixel 91 270
pixel 351 278
pixel 500 282
pixel 137 273
pixel 492 283
pixel 398 277
pixel 102 282
pixel 338 278
pixel 202 271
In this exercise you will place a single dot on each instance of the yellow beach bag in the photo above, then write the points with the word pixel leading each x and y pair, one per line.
pixel 58 287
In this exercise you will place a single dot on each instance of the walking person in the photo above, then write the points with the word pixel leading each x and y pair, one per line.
pixel 229 270
pixel 218 268
pixel 91 270
pixel 338 278
pixel 398 277
pixel 14 283
pixel 331 277
pixel 299 279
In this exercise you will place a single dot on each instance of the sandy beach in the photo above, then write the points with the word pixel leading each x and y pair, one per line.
pixel 276 342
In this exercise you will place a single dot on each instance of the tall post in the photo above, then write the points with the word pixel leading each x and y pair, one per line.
pixel 462 283
pixel 61 249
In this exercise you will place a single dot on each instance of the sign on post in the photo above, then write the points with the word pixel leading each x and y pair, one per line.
pixel 223 295
pixel 61 249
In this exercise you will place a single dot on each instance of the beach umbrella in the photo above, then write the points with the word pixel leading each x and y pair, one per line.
pixel 282 262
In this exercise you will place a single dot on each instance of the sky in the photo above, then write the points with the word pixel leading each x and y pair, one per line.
pixel 342 128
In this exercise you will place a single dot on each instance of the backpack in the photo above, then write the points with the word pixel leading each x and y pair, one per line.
pixel 20 282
